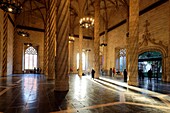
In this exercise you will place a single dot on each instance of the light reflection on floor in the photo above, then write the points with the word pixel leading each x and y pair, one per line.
pixel 34 94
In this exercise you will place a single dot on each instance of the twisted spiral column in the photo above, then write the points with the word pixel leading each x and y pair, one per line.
pixel 5 36
pixel 51 35
pixel 97 38
pixel 133 45
pixel 46 34
pixel 61 81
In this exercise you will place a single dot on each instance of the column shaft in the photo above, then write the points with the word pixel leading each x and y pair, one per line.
pixel 5 36
pixel 15 50
pixel 168 72
pixel 133 45
pixel 51 39
pixel 97 38
pixel 80 51
pixel 46 38
pixel 105 50
pixel 62 78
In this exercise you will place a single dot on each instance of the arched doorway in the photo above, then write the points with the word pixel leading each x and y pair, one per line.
pixel 150 60
pixel 30 59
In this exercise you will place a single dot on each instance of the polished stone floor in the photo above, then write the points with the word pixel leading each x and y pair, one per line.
pixel 32 93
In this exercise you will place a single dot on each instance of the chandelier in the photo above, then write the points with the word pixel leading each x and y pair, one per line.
pixel 21 31
pixel 12 6
pixel 87 21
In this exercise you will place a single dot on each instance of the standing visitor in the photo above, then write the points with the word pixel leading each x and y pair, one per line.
pixel 92 73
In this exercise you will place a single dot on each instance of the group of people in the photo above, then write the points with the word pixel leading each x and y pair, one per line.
pixel 141 75
pixel 114 72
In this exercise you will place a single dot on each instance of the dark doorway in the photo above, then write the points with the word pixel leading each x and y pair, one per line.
pixel 150 60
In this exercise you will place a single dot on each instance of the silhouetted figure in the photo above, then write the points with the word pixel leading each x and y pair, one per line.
pixel 114 71
pixel 141 75
pixel 150 75
pixel 92 73
pixel 125 75
pixel 110 71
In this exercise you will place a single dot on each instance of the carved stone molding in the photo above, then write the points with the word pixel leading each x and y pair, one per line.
pixel 147 38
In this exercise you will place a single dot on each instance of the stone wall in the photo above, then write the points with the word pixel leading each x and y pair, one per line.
pixel 37 40
pixel 158 29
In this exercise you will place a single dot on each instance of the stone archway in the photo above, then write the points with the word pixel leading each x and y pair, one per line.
pixel 164 58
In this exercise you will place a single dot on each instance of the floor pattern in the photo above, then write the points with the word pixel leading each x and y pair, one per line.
pixel 32 93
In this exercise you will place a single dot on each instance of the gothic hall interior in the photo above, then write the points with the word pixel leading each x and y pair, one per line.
pixel 84 56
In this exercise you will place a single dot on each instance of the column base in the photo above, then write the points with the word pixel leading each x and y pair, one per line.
pixel 61 85
pixel 50 78
pixel 133 82
pixel 59 97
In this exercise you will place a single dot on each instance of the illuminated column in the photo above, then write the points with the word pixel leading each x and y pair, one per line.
pixel 87 60
pixel 80 51
pixel 5 36
pixel 133 45
pixel 51 27
pixel 97 38
pixel 62 78
pixel 71 53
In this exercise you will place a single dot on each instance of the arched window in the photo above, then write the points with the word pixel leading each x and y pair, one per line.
pixel 30 58
pixel 121 59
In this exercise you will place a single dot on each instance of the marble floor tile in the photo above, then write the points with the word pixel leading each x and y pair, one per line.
pixel 33 93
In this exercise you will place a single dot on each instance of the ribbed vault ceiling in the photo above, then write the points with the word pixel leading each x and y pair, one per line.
pixel 111 12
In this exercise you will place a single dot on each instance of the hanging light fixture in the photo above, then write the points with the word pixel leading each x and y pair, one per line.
pixel 28 44
pixel 87 21
pixel 71 39
pixel 12 6
pixel 22 32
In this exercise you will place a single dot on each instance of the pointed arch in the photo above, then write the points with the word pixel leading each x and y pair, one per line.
pixel 30 58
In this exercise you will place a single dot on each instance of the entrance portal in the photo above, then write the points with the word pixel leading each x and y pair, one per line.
pixel 150 60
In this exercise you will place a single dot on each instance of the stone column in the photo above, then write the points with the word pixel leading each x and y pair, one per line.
pixel 105 50
pixel 80 51
pixel 97 38
pixel 46 34
pixel 133 45
pixel 69 56
pixel 4 51
pixel 51 39
pixel 15 44
pixel 168 72
pixel 62 78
